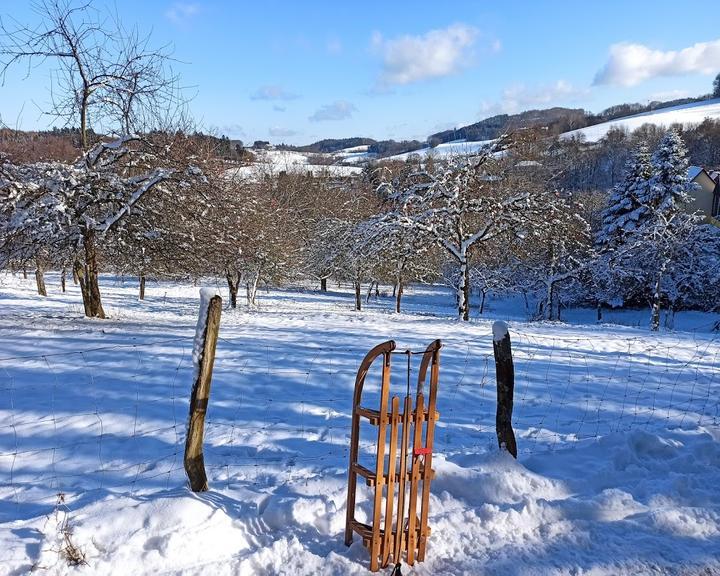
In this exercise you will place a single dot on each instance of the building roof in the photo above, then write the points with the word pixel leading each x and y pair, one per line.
pixel 694 172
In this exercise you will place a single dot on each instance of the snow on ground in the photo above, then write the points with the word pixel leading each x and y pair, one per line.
pixel 454 148
pixel 618 432
pixel 686 114
pixel 276 161
pixel 354 155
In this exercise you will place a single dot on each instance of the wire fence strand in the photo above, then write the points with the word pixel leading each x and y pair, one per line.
pixel 112 418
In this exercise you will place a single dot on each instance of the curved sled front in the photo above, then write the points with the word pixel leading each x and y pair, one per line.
pixel 380 419
pixel 402 528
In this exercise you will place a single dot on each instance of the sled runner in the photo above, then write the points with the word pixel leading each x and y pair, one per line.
pixel 403 466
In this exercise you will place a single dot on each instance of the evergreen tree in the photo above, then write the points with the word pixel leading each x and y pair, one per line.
pixel 648 234
pixel 669 188
pixel 669 229
pixel 615 279
pixel 624 207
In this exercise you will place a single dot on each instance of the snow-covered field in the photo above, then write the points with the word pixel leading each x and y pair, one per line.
pixel 454 148
pixel 272 162
pixel 686 114
pixel 618 431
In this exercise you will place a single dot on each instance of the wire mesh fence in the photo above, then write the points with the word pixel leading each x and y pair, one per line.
pixel 111 419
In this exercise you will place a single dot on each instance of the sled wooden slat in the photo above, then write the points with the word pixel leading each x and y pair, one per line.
pixel 429 437
pixel 415 478
pixel 402 474
pixel 375 544
pixel 399 533
pixel 390 485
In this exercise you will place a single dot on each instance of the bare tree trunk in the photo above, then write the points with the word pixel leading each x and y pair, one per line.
pixel 483 293
pixel 399 285
pixel 369 293
pixel 599 312
pixel 75 277
pixel 555 305
pixel 464 291
pixel 377 289
pixel 40 281
pixel 24 273
pixel 670 317
pixel 142 286
pixel 63 276
pixel 548 301
pixel 92 286
pixel 358 298
pixel 233 282
pixel 79 273
pixel 552 302
pixel 394 289
pixel 656 305
pixel 252 288
pixel 83 119
pixel 323 284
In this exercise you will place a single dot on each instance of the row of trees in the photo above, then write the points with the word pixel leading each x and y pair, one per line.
pixel 153 200
pixel 494 222
pixel 600 166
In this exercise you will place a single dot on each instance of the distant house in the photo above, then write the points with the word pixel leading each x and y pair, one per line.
pixel 707 193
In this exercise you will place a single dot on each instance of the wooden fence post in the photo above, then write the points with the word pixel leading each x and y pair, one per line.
pixel 204 359
pixel 505 376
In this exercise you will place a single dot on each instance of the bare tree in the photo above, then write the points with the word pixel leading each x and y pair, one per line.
pixel 105 78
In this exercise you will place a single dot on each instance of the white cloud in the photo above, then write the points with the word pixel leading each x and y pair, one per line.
pixel 338 110
pixel 519 98
pixel 437 53
pixel 272 92
pixel 277 132
pixel 629 64
pixel 278 108
pixel 181 12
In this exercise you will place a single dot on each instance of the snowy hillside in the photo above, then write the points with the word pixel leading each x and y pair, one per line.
pixel 686 114
pixel 454 148
pixel 618 434
pixel 354 155
pixel 272 162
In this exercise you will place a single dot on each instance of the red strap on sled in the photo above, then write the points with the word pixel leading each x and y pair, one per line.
pixel 422 451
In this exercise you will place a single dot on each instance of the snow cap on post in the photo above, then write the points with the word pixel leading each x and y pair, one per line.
pixel 206 294
pixel 500 330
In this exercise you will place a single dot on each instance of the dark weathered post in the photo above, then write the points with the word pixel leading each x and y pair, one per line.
pixel 505 376
pixel 204 359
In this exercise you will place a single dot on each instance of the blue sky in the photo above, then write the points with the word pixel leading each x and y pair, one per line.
pixel 298 71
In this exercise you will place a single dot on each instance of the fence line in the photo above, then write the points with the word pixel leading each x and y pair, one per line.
pixel 112 418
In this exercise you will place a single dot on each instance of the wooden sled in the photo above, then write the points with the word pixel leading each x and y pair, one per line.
pixel 404 476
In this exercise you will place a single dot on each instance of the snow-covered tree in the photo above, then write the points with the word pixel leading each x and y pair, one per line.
pixel 469 200
pixel 72 207
pixel 648 231
pixel 555 255
pixel 624 207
